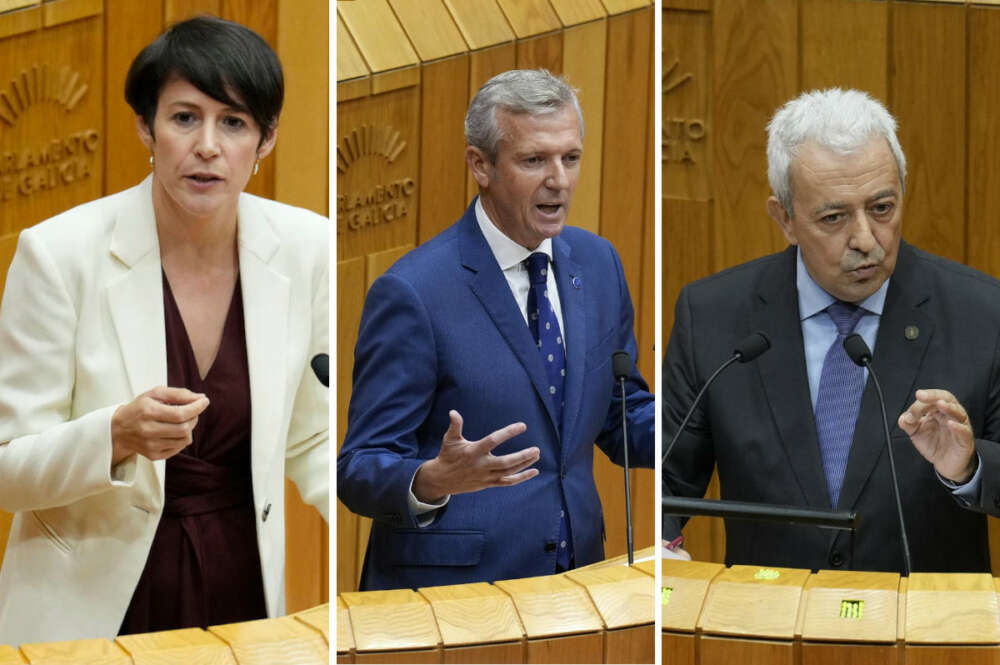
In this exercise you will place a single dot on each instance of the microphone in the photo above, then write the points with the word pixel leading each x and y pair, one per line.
pixel 858 351
pixel 321 368
pixel 749 348
pixel 621 365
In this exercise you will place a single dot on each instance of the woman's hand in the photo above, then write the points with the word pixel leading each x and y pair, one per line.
pixel 157 424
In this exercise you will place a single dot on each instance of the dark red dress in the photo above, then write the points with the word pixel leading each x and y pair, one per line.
pixel 204 566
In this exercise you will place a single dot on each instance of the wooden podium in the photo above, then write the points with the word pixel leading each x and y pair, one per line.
pixel 297 639
pixel 601 613
pixel 750 614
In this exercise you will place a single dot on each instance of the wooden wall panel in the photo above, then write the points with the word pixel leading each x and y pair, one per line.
pixel 51 129
pixel 351 288
pixel 825 61
pixel 928 63
pixel 529 17
pixel 178 10
pixel 544 52
pixel 482 23
pixel 623 202
pixel 686 130
pixel 629 59
pixel 378 148
pixel 755 70
pixel 133 25
pixel 430 28
pixel 444 99
pixel 984 141
pixel 583 66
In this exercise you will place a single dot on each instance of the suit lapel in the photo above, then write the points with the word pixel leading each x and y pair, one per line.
pixel 490 286
pixel 897 360
pixel 135 298
pixel 266 295
pixel 783 375
pixel 569 279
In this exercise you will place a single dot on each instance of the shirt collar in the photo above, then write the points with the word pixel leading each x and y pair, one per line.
pixel 813 299
pixel 507 252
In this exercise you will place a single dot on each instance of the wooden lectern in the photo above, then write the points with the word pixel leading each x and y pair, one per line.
pixel 298 639
pixel 749 614
pixel 597 614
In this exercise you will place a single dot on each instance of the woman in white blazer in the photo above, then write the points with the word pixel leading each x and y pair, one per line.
pixel 155 386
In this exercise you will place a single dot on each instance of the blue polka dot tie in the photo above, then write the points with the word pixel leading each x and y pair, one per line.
pixel 545 329
pixel 840 387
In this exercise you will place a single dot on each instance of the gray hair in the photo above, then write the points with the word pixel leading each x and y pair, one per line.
pixel 532 91
pixel 839 120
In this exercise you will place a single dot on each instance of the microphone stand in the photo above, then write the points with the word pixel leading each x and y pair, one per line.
pixel 628 491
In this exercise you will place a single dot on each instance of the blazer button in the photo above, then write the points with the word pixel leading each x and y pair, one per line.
pixel 265 513
pixel 550 546
pixel 562 473
pixel 836 559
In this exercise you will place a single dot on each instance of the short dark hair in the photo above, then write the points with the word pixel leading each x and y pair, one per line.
pixel 220 58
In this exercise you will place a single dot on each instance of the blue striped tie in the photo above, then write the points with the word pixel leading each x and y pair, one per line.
pixel 545 328
pixel 840 388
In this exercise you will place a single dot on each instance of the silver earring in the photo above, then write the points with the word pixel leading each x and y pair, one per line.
pixel 256 167
pixel 151 160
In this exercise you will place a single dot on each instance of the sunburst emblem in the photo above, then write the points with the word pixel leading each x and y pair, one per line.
pixel 39 84
pixel 369 140
pixel 669 85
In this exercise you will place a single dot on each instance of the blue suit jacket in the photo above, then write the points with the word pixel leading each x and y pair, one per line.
pixel 441 330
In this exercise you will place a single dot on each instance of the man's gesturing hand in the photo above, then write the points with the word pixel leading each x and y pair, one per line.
pixel 157 424
pixel 940 430
pixel 469 466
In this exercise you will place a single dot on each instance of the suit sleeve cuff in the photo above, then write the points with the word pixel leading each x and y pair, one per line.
pixel 423 512
pixel 966 493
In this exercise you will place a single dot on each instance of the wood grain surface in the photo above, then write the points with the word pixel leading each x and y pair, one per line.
pixel 481 22
pixel 191 646
pixel 475 613
pixel 391 620
pixel 92 652
pixel 269 641
pixel 751 600
pixel 430 28
pixel 551 606
pixel 623 596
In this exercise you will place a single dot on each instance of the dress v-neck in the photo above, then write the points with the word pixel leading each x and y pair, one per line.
pixel 189 347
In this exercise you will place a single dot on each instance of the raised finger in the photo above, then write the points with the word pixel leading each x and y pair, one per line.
pixel 515 478
pixel 494 439
pixel 934 394
pixel 953 410
pixel 455 426
pixel 176 414
pixel 173 395
pixel 511 462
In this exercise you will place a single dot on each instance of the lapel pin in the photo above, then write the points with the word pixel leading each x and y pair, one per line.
pixel 911 332
pixel 577 282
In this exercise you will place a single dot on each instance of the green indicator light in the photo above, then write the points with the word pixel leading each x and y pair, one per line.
pixel 852 609
pixel 665 594
pixel 767 574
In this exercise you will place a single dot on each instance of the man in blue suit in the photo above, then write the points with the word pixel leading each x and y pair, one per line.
pixel 482 372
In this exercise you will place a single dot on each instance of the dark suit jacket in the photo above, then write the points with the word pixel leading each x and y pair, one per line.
pixel 756 422
pixel 441 330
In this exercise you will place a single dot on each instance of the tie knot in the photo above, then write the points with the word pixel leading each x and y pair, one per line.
pixel 538 267
pixel 845 316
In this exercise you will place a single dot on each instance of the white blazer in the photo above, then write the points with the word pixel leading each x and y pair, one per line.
pixel 82 332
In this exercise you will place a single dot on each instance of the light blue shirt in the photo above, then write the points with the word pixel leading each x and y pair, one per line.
pixel 819 332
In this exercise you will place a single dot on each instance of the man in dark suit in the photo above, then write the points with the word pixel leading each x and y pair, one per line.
pixel 502 326
pixel 801 425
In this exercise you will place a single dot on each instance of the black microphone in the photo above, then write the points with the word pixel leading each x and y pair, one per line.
pixel 621 365
pixel 749 348
pixel 858 351
pixel 321 367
